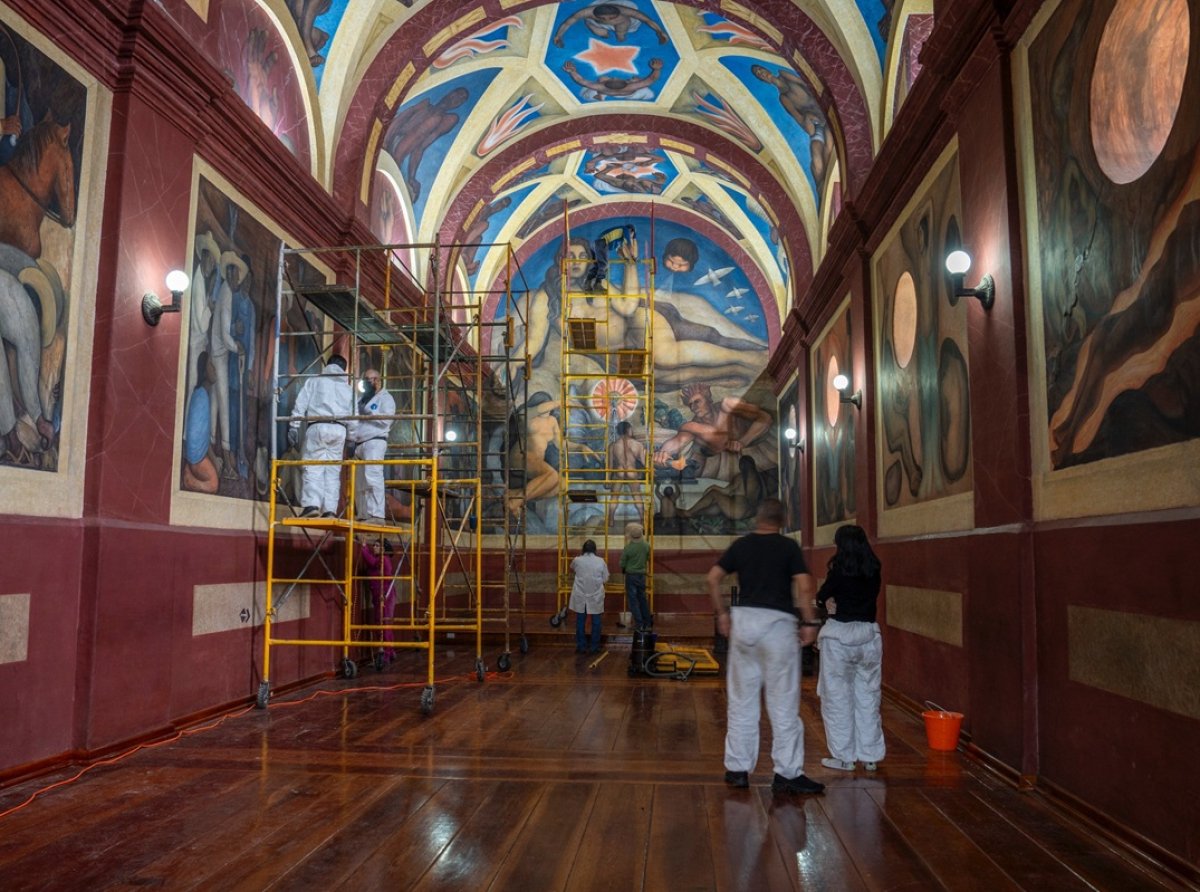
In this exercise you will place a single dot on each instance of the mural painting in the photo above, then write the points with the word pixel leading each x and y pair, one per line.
pixel 715 452
pixel 226 434
pixel 255 57
pixel 43 129
pixel 832 442
pixel 611 50
pixel 923 392
pixel 424 127
pixel 317 21
pixel 620 168
pixel 801 118
pixel 1115 225
pixel 791 458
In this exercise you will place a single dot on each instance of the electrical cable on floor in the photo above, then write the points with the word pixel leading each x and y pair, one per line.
pixel 188 732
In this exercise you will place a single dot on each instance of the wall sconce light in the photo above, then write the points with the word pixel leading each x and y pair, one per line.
pixel 153 308
pixel 841 384
pixel 794 440
pixel 451 435
pixel 957 264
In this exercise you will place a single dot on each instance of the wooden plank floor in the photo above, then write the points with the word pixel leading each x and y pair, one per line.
pixel 563 774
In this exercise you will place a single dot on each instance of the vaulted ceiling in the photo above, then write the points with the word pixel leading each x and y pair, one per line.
pixel 479 121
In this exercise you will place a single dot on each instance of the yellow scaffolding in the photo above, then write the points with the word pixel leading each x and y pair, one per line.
pixel 607 376
pixel 449 458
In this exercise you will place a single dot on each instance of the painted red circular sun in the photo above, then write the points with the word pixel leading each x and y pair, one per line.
pixel 618 393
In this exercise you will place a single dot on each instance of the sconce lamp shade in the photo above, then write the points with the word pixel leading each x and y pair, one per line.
pixel 790 433
pixel 958 262
pixel 841 384
pixel 177 281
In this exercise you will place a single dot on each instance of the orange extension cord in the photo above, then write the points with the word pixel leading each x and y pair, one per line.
pixel 188 732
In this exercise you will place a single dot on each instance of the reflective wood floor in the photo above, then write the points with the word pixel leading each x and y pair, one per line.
pixel 562 774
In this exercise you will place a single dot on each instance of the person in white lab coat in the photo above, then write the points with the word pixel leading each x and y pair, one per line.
pixel 587 595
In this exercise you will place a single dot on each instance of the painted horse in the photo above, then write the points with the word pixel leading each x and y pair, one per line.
pixel 40 171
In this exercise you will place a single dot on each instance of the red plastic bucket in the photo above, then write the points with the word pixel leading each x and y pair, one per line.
pixel 941 729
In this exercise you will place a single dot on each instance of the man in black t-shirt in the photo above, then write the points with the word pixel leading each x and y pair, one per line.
pixel 764 654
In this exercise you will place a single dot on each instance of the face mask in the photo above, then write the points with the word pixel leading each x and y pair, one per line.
pixel 367 389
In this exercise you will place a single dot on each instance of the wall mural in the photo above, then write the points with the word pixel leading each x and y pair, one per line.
pixel 715 450
pixel 1116 185
pixel 43 128
pixel 832 442
pixel 226 431
pixel 791 460
pixel 922 388
pixel 255 57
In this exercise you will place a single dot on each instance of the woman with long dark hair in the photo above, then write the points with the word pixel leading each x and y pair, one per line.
pixel 851 654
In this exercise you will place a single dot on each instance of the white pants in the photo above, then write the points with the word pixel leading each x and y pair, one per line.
pixel 219 408
pixel 851 674
pixel 764 656
pixel 369 485
pixel 322 484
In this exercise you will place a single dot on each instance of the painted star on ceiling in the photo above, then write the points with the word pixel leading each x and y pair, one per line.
pixel 604 57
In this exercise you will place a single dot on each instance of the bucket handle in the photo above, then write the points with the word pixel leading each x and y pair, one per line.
pixel 932 705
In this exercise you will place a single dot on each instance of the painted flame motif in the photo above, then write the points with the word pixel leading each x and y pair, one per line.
pixel 508 123
pixel 618 393
pixel 474 44
pixel 735 34
pixel 725 118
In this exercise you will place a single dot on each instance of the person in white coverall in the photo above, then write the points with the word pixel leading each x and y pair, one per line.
pixel 370 444
pixel 323 401
pixel 851 654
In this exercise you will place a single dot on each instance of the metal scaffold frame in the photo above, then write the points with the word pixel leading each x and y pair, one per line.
pixel 452 455
pixel 607 372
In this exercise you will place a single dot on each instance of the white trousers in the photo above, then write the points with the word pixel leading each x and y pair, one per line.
pixel 369 485
pixel 764 657
pixel 851 674
pixel 322 484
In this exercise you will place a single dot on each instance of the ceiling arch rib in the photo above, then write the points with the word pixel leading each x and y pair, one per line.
pixel 407 52
pixel 588 131
pixel 637 209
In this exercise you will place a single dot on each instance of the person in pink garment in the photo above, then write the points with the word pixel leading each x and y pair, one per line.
pixel 380 571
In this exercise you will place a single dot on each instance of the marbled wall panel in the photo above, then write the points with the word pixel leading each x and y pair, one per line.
pixel 37 687
pixel 1088 736
pixel 129 444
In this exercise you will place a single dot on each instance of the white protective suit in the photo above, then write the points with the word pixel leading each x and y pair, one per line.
pixel 371 439
pixel 322 399
pixel 764 655
pixel 851 674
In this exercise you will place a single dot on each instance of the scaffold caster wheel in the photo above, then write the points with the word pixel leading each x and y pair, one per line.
pixel 524 645
pixel 480 670
pixel 349 668
pixel 378 661
pixel 556 621
pixel 264 694
pixel 427 701
pixel 504 663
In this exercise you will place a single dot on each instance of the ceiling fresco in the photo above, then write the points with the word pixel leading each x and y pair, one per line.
pixel 480 121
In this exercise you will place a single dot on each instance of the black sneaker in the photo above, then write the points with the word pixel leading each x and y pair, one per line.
pixel 310 511
pixel 738 779
pixel 796 785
